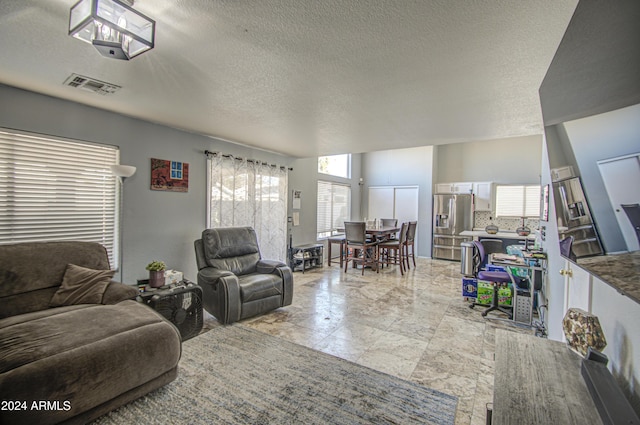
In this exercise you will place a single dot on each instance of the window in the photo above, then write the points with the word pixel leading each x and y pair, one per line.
pixel 518 201
pixel 53 189
pixel 334 207
pixel 336 165
pixel 176 170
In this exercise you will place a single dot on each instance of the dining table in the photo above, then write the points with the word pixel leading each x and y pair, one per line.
pixel 379 232
pixel 382 231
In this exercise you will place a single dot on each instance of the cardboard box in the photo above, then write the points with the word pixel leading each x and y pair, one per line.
pixel 485 294
pixel 494 268
pixel 504 296
pixel 469 287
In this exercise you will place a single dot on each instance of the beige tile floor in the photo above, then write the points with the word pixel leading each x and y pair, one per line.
pixel 415 326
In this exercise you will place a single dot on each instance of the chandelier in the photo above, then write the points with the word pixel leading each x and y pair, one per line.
pixel 113 27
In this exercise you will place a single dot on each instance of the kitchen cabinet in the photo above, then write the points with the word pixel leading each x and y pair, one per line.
pixel 459 188
pixel 483 192
pixel 399 202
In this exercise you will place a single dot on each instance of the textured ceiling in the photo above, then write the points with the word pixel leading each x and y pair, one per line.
pixel 308 78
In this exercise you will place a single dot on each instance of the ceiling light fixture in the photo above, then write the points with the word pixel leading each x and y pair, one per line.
pixel 113 27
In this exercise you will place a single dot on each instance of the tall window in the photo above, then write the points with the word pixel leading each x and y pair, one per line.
pixel 334 207
pixel 335 165
pixel 53 189
pixel 250 193
pixel 517 201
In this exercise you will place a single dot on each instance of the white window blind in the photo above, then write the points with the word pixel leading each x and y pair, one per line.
pixel 53 189
pixel 518 201
pixel 334 207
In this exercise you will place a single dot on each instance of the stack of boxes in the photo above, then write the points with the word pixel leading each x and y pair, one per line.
pixel 481 291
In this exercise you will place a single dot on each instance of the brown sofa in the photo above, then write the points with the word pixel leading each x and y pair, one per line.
pixel 96 350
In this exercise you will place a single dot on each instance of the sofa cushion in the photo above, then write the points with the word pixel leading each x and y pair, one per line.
pixel 81 285
pixel 258 286
pixel 30 273
pixel 117 292
pixel 87 354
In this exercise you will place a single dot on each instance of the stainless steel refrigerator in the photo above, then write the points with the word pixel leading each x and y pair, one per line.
pixel 452 214
pixel 574 217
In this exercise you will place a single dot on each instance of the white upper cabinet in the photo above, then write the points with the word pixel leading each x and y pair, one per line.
pixel 483 192
pixel 454 187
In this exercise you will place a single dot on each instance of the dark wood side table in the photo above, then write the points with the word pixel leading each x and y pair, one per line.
pixel 538 381
pixel 181 304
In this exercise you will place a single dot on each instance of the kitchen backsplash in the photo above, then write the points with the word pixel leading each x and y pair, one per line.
pixel 483 219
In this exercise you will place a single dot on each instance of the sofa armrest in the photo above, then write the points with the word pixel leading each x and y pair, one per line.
pixel 268 266
pixel 117 292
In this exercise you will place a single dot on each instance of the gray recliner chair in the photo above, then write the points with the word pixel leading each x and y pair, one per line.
pixel 236 282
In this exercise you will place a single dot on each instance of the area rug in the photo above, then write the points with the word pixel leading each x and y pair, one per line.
pixel 236 375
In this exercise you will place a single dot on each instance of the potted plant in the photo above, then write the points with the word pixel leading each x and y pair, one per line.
pixel 156 273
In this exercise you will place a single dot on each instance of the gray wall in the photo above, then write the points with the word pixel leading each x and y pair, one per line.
pixel 157 225
pixel 514 160
pixel 404 167
pixel 304 177
pixel 599 137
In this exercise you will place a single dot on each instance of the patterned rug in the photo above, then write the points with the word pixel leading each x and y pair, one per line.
pixel 236 375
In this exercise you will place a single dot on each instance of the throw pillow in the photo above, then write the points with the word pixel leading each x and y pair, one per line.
pixel 81 285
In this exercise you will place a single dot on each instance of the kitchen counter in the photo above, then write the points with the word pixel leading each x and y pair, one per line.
pixel 620 271
pixel 477 234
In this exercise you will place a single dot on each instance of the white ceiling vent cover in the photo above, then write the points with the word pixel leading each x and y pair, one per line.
pixel 91 84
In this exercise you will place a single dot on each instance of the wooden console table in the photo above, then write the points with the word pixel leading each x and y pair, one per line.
pixel 538 381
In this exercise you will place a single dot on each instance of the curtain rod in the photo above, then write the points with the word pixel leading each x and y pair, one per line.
pixel 255 161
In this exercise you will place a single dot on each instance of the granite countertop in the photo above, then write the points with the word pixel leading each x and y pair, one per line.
pixel 501 234
pixel 621 271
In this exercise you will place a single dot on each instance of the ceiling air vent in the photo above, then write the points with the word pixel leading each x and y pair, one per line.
pixel 91 84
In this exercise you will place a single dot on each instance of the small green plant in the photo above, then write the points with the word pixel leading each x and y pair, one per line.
pixel 156 266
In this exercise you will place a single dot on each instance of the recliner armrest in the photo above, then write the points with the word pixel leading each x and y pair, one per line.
pixel 268 266
pixel 220 294
pixel 211 275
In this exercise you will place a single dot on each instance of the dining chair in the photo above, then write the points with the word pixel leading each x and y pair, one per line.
pixel 357 248
pixel 335 239
pixel 392 251
pixel 389 222
pixel 410 243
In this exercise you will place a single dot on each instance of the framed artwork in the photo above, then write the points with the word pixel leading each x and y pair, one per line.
pixel 171 176
pixel 297 199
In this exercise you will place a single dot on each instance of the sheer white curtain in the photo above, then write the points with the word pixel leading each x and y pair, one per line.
pixel 250 193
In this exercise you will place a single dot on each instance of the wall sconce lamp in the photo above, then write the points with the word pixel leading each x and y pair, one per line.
pixel 113 27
